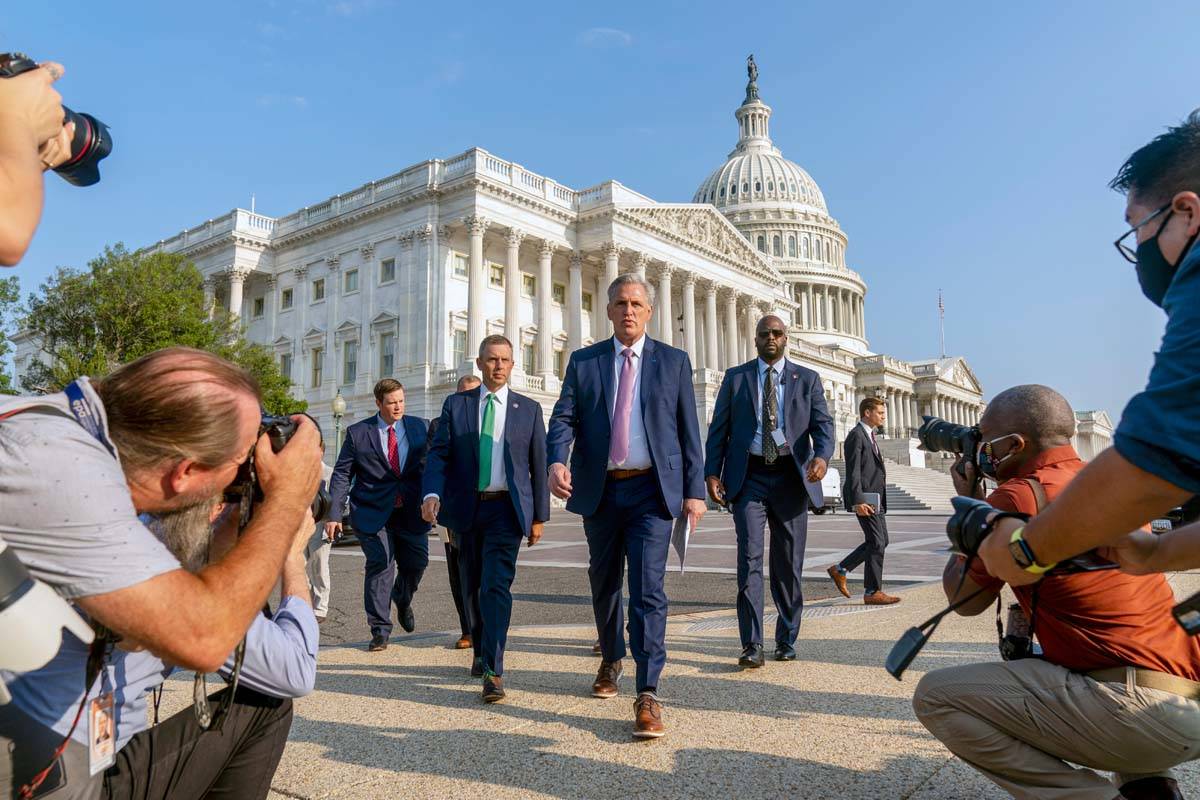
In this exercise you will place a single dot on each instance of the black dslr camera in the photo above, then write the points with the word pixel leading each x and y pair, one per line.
pixel 92 141
pixel 939 436
pixel 245 490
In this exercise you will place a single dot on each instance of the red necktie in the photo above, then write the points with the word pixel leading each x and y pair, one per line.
pixel 393 456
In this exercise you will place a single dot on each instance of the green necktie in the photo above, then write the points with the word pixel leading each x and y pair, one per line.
pixel 485 442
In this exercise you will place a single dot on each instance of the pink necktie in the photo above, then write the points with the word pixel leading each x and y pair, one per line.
pixel 874 445
pixel 618 449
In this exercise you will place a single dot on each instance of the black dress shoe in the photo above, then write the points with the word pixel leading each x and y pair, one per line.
pixel 784 652
pixel 477 667
pixel 378 642
pixel 493 689
pixel 407 620
pixel 752 656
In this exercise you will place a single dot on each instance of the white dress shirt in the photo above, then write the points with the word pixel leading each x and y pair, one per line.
pixel 639 448
pixel 401 438
pixel 761 366
pixel 870 435
pixel 498 482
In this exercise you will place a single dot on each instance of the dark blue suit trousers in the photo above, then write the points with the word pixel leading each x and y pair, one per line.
pixel 488 560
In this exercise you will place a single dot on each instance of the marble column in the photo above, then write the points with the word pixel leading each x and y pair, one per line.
pixel 600 309
pixel 639 264
pixel 828 310
pixel 664 312
pixel 545 290
pixel 210 295
pixel 711 360
pixel 862 317
pixel 237 281
pixel 512 293
pixel 804 322
pixel 476 281
pixel 751 323
pixel 731 340
pixel 272 283
pixel 612 258
pixel 575 303
pixel 891 412
pixel 689 316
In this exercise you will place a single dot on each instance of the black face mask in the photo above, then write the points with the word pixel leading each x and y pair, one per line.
pixel 1154 272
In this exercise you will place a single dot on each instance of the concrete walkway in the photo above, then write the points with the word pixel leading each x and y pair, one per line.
pixel 408 722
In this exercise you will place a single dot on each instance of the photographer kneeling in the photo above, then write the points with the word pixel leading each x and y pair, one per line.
pixel 164 435
pixel 1117 685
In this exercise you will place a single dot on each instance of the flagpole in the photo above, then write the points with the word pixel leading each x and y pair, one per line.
pixel 942 322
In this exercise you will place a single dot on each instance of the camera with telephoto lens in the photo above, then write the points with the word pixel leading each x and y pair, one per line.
pixel 92 141
pixel 939 436
pixel 245 490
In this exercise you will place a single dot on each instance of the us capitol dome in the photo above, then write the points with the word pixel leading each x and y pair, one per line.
pixel 781 211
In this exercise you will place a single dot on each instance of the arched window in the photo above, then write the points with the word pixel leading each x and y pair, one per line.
pixel 762 243
pixel 791 247
pixel 776 246
pixel 817 249
pixel 804 246
pixel 722 191
pixel 793 187
pixel 758 187
pixel 745 187
pixel 770 186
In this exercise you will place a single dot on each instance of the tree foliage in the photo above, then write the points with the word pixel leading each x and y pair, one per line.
pixel 126 305
pixel 10 291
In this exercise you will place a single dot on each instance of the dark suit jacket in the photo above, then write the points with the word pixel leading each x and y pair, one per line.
pixel 363 472
pixel 668 403
pixel 864 470
pixel 452 468
pixel 805 417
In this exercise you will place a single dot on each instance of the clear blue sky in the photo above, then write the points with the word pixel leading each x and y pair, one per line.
pixel 961 146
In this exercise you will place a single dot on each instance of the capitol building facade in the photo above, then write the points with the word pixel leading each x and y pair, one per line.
pixel 404 276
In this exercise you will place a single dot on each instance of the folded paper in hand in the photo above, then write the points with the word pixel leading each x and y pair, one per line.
pixel 816 492
pixel 680 535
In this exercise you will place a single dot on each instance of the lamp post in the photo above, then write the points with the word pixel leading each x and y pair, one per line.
pixel 338 406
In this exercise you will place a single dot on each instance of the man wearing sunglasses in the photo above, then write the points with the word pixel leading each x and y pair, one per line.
pixel 1025 721
pixel 1154 463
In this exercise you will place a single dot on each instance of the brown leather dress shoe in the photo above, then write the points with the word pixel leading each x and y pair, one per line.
pixel 880 598
pixel 647 717
pixel 1156 788
pixel 839 580
pixel 493 688
pixel 605 685
pixel 463 642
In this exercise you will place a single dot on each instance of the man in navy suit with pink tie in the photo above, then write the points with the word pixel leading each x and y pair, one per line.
pixel 629 407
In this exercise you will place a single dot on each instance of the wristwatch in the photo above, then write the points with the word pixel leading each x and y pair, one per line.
pixel 1022 553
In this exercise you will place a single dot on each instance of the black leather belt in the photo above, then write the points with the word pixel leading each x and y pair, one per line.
pixel 758 462
pixel 492 495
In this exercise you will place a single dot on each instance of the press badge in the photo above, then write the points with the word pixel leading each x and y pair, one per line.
pixel 777 437
pixel 102 733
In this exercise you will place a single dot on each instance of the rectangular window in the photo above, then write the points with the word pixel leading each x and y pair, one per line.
pixel 528 358
pixel 318 290
pixel 387 354
pixel 559 362
pixel 791 247
pixel 349 362
pixel 559 294
pixel 461 269
pixel 260 305
pixel 528 285
pixel 587 301
pixel 351 282
pixel 318 366
pixel 285 366
pixel 496 276
pixel 387 270
pixel 285 299
pixel 459 347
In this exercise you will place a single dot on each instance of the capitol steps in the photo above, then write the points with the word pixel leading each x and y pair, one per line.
pixel 912 488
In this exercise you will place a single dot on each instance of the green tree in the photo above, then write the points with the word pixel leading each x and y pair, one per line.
pixel 126 305
pixel 10 292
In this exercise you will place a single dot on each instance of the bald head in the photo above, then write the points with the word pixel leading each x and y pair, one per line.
pixel 770 338
pixel 467 382
pixel 1040 414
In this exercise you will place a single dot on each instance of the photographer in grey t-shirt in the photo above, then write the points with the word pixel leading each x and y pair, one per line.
pixel 172 429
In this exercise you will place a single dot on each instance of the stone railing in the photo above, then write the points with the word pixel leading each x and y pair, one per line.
pixel 882 363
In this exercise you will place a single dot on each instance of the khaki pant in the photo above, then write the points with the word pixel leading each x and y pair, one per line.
pixel 1021 722
pixel 317 568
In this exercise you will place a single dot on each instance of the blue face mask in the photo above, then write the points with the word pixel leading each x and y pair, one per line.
pixel 989 464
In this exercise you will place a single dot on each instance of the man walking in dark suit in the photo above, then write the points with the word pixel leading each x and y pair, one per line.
pixel 380 468
pixel 485 479
pixel 629 406
pixel 865 473
pixel 452 547
pixel 770 429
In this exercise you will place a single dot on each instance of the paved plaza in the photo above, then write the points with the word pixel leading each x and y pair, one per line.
pixel 408 722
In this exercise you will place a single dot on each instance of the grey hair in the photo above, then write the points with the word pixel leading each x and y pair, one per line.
pixel 631 277
pixel 1035 411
